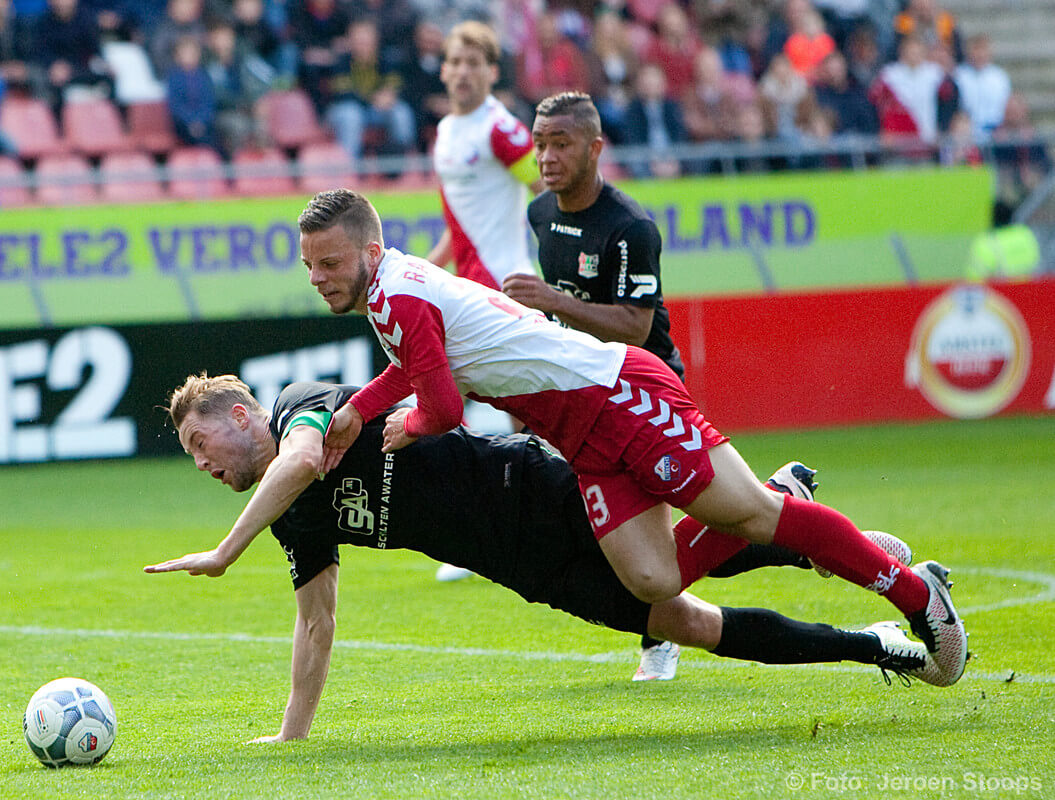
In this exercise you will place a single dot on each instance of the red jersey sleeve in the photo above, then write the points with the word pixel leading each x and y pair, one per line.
pixel 440 404
pixel 385 390
pixel 411 331
pixel 510 140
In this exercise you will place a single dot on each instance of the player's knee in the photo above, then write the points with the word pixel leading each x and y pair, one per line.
pixel 653 587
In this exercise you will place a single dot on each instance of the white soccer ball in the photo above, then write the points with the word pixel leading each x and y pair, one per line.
pixel 69 721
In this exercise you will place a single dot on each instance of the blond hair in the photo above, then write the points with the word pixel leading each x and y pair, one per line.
pixel 207 395
pixel 475 34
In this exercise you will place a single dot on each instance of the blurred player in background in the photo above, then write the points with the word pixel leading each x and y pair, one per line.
pixel 485 162
pixel 599 254
pixel 633 435
pixel 503 505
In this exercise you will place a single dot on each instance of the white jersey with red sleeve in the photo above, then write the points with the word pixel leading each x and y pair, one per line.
pixel 477 157
pixel 555 379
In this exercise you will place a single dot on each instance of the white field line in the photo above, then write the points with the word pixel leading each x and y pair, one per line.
pixel 1046 595
pixel 619 657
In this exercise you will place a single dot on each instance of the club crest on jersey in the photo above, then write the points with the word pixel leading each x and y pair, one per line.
pixel 667 468
pixel 588 264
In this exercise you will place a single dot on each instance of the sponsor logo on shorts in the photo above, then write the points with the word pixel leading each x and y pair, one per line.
pixel 588 264
pixel 686 482
pixel 291 558
pixel 667 468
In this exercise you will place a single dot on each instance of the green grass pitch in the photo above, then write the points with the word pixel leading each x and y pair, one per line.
pixel 440 690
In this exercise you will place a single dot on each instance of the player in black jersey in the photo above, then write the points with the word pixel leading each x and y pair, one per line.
pixel 599 254
pixel 501 505
pixel 598 249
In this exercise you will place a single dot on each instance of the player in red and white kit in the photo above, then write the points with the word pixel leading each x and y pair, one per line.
pixel 484 159
pixel 618 414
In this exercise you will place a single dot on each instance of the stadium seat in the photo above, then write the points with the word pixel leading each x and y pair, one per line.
pixel 129 178
pixel 261 171
pixel 12 195
pixel 325 165
pixel 150 127
pixel 196 173
pixel 65 180
pixel 32 126
pixel 289 119
pixel 94 128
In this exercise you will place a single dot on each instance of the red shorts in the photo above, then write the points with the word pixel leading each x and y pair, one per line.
pixel 648 445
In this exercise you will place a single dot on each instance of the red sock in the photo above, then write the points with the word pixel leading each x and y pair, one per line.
pixel 829 539
pixel 701 549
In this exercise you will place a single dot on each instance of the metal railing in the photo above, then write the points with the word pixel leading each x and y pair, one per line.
pixel 855 152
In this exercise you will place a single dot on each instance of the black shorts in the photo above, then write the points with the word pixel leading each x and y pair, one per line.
pixel 559 561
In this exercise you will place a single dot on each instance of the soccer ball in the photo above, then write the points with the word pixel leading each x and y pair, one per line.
pixel 69 721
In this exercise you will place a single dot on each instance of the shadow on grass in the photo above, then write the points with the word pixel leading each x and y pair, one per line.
pixel 584 749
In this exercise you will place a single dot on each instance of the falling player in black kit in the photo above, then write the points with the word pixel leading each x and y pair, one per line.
pixel 599 255
pixel 501 505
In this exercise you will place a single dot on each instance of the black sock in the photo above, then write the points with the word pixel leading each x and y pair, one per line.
pixel 758 634
pixel 755 556
pixel 647 641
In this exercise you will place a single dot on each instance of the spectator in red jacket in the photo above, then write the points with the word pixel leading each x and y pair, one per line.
pixel 674 48
pixel 551 64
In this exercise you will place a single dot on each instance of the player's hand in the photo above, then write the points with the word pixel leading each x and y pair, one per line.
pixel 344 429
pixel 395 435
pixel 209 563
pixel 532 291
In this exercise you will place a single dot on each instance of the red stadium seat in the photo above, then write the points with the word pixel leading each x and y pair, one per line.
pixel 323 166
pixel 261 171
pixel 196 173
pixel 30 123
pixel 12 195
pixel 129 178
pixel 150 127
pixel 289 119
pixel 65 180
pixel 94 128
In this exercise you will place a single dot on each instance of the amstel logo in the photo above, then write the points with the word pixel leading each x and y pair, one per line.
pixel 970 352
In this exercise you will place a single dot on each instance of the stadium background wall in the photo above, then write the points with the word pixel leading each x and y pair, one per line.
pixel 233 259
pixel 100 391
pixel 862 357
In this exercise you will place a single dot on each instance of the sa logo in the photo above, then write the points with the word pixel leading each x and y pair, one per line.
pixel 350 500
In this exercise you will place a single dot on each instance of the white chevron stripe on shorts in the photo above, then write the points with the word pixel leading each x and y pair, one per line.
pixel 645 405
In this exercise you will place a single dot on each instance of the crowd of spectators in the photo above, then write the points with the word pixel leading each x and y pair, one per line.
pixel 802 73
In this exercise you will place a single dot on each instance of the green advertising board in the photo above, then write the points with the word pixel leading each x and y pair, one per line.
pixel 235 259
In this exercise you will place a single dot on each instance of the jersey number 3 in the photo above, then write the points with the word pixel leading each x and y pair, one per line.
pixel 595 504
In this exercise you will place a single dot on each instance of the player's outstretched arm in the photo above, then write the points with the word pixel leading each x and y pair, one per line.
pixel 312 645
pixel 297 464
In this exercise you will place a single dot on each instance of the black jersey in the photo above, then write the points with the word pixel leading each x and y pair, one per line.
pixel 501 506
pixel 607 253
